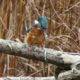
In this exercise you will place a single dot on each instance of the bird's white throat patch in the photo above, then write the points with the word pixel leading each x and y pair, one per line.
pixel 36 22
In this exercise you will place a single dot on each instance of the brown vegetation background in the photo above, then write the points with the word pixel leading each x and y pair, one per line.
pixel 63 30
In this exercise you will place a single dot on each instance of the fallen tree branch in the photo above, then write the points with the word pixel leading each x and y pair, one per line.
pixel 28 78
pixel 71 74
pixel 58 58
pixel 51 56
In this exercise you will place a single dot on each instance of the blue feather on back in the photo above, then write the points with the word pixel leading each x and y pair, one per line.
pixel 43 21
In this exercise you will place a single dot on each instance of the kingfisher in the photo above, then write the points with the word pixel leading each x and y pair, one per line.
pixel 36 36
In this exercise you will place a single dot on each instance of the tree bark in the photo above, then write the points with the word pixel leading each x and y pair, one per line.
pixel 28 78
pixel 43 54
pixel 73 74
pixel 61 59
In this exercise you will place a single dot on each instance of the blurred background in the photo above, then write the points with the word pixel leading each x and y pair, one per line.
pixel 63 31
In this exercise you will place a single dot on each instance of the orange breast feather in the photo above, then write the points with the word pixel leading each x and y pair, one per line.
pixel 35 37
